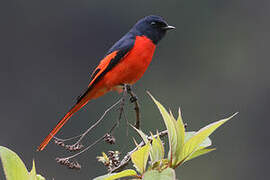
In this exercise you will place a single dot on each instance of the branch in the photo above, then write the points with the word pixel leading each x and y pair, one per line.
pixel 127 157
pixel 121 108
pixel 77 145
pixel 107 137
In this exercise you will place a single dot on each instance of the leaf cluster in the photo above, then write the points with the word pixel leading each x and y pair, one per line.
pixel 183 146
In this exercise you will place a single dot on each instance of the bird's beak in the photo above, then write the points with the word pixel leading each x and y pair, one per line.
pixel 168 27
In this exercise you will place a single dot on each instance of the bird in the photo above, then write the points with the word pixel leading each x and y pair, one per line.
pixel 124 63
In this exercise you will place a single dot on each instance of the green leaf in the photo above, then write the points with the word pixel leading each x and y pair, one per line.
pixel 159 165
pixel 103 177
pixel 176 133
pixel 125 173
pixel 157 149
pixel 201 149
pixel 13 166
pixel 199 153
pixel 33 173
pixel 143 136
pixel 39 177
pixel 140 157
pixel 196 140
pixel 167 174
pixel 180 127
pixel 207 142
pixel 170 125
pixel 103 159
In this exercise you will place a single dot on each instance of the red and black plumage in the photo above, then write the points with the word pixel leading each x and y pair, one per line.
pixel 124 63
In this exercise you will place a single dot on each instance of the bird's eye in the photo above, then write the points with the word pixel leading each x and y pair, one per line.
pixel 153 23
pixel 158 24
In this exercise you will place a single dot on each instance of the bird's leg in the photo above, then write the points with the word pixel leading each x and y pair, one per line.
pixel 133 99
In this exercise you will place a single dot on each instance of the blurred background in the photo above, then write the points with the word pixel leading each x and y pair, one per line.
pixel 214 64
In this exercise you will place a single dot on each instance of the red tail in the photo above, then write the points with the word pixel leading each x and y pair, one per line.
pixel 63 121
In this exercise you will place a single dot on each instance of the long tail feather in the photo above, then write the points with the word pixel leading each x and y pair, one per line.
pixel 63 121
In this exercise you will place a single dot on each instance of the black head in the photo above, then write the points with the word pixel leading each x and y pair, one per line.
pixel 154 27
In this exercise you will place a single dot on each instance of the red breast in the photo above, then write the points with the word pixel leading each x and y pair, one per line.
pixel 132 67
